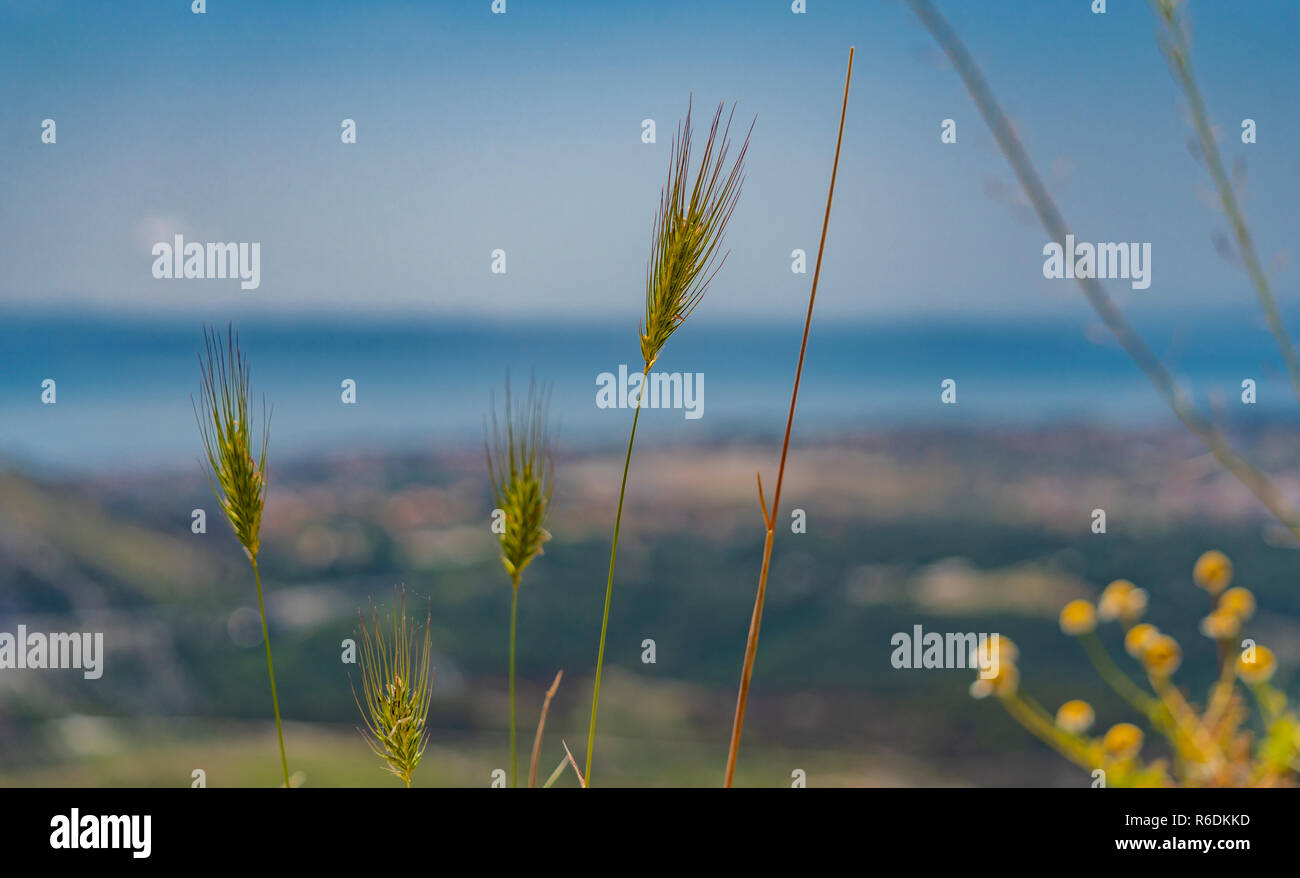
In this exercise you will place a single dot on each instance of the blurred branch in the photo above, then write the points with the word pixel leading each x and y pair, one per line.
pixel 1177 49
pixel 1254 479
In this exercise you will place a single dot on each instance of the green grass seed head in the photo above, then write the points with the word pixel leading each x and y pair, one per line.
pixel 521 469
pixel 238 478
pixel 396 688
pixel 686 238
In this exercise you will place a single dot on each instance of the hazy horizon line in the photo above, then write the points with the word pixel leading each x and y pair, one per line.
pixel 329 317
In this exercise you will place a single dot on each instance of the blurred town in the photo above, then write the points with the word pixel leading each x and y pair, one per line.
pixel 977 530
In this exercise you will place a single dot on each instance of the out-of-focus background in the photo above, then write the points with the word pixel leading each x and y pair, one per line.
pixel 940 520
pixel 523 132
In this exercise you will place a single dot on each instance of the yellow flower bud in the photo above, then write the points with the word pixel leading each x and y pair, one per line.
pixel 1213 571
pixel 1162 656
pixel 1078 617
pixel 1122 741
pixel 1005 683
pixel 1075 717
pixel 1135 642
pixel 1006 650
pixel 1113 599
pixel 1134 606
pixel 1261 669
pixel 1221 625
pixel 1238 601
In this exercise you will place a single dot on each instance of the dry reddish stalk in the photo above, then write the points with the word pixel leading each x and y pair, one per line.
pixel 769 518
pixel 541 724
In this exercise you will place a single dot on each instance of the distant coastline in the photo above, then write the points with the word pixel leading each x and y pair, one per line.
pixel 124 385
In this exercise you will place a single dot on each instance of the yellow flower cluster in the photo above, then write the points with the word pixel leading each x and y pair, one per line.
pixel 1212 745
pixel 1231 610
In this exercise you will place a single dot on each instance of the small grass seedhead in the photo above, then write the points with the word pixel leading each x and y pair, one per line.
pixel 238 479
pixel 521 468
pixel 688 230
pixel 397 686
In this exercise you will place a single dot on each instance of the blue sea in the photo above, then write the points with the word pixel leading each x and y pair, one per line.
pixel 124 386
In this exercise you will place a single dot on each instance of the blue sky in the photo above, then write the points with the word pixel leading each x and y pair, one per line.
pixel 522 131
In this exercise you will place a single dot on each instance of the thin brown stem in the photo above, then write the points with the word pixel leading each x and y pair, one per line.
pixel 582 781
pixel 541 724
pixel 769 517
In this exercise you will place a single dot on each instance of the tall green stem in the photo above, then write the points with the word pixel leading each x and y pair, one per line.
pixel 514 752
pixel 609 585
pixel 1116 678
pixel 270 669
pixel 1067 745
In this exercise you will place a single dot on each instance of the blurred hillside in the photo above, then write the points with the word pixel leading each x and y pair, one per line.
pixel 976 531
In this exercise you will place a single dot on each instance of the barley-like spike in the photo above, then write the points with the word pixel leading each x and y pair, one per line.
pixel 396 687
pixel 237 479
pixel 685 238
pixel 688 230
pixel 521 470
